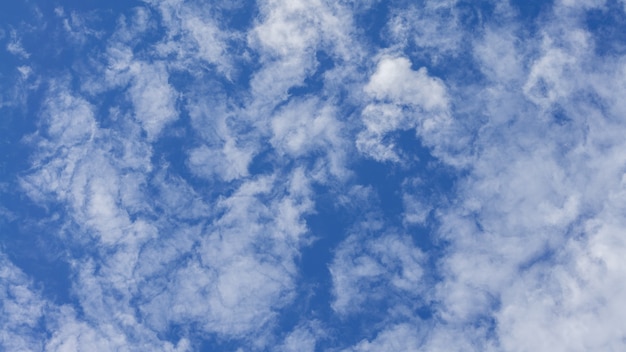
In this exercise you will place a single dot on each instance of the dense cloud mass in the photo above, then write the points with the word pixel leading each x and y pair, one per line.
pixel 290 175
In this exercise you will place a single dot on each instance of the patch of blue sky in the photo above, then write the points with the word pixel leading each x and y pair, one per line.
pixel 607 26
pixel 32 247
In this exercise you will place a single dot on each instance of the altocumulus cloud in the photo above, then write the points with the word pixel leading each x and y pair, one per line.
pixel 313 176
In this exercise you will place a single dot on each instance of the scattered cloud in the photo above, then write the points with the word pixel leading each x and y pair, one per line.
pixel 15 46
pixel 366 270
pixel 404 99
pixel 198 167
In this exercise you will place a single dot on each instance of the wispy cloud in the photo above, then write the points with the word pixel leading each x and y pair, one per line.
pixel 15 46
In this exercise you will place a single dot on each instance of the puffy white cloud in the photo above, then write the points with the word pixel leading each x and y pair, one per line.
pixel 245 269
pixel 153 98
pixel 404 99
pixel 305 127
pixel 524 229
pixel 299 128
pixel 522 244
pixel 287 37
pixel 395 81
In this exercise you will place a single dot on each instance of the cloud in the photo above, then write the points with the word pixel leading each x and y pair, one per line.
pixel 518 232
pixel 149 91
pixel 365 270
pixel 302 338
pixel 97 174
pixel 244 270
pixel 229 163
pixel 404 99
pixel 401 337
pixel 196 37
pixel 307 127
pixel 21 309
pixel 394 80
pixel 236 267
pixel 521 237
pixel 271 120
pixel 154 99
pixel 287 37
pixel 15 46
pixel 78 26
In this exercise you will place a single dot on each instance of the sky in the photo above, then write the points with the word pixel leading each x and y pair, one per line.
pixel 312 175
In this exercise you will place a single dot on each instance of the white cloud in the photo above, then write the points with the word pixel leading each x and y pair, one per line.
pixel 194 37
pixel 404 99
pixel 415 210
pixel 15 46
pixel 287 36
pixel 395 81
pixel 145 83
pixel 501 59
pixel 522 248
pixel 154 100
pixel 89 169
pixel 77 26
pixel 25 71
pixel 21 309
pixel 302 338
pixel 364 270
pixel 69 119
pixel 245 267
pixel 243 251
pixel 528 259
pixel 229 163
pixel 531 245
pixel 305 127
pixel 68 334
pixel 299 128
pixel 401 337
pixel 576 304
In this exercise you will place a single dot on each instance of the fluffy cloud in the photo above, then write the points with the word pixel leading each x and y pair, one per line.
pixel 404 99
pixel 244 269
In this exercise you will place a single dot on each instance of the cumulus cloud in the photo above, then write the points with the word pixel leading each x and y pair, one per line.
pixel 404 99
pixel 287 37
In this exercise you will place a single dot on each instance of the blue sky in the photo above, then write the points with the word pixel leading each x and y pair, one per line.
pixel 288 175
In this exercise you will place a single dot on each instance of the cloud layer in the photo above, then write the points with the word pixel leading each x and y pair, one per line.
pixel 315 175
